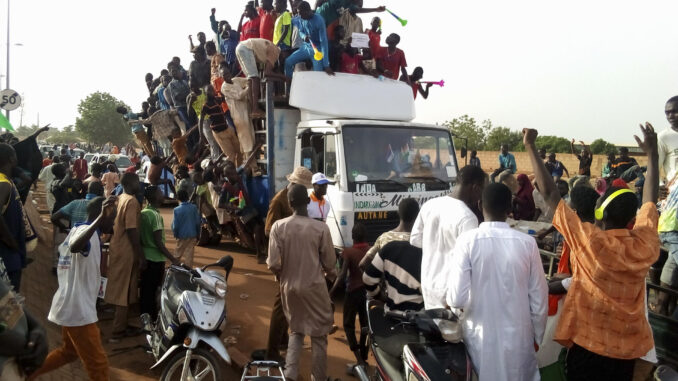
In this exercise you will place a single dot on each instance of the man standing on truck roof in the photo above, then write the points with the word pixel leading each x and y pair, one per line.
pixel 313 31
pixel 439 223
pixel 319 207
pixel 391 60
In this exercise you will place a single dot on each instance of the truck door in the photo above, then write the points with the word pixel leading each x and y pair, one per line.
pixel 319 154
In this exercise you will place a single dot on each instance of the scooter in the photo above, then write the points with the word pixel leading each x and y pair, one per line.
pixel 409 346
pixel 185 337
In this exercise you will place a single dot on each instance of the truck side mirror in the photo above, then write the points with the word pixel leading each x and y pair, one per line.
pixel 463 151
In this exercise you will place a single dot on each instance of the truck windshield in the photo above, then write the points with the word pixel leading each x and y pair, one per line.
pixel 391 158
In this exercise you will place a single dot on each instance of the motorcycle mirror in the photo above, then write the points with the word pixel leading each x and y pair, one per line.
pixel 226 262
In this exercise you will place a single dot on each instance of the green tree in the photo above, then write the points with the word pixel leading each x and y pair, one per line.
pixel 25 131
pixel 504 135
pixel 466 127
pixel 553 144
pixel 99 123
pixel 601 147
pixel 67 135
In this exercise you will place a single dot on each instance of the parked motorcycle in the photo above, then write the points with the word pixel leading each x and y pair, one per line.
pixel 185 337
pixel 409 346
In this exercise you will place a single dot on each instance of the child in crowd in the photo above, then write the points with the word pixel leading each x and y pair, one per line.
pixel 74 303
pixel 186 227
pixel 356 296
pixel 152 237
pixel 337 48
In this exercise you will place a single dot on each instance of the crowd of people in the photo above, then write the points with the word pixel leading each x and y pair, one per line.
pixel 455 251
pixel 220 91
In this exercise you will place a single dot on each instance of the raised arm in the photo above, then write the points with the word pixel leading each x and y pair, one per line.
pixel 370 10
pixel 213 21
pixel 649 146
pixel 547 186
pixel 574 151
pixel 242 17
pixel 80 242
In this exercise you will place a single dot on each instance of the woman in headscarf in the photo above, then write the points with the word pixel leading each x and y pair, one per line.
pixel 523 202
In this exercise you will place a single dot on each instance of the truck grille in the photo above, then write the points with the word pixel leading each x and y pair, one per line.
pixel 377 223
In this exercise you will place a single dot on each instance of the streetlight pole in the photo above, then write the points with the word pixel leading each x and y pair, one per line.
pixel 7 74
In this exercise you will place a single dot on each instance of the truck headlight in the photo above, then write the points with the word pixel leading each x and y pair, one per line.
pixel 220 288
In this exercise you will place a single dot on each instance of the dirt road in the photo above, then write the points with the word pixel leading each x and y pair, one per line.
pixel 251 290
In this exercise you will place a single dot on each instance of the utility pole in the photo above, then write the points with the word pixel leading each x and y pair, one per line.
pixel 7 73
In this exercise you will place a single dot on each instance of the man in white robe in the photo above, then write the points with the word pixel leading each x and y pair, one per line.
pixel 496 277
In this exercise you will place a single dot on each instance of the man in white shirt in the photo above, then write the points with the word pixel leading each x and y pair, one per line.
pixel 46 176
pixel 440 221
pixel 496 277
pixel 668 220
pixel 319 207
pixel 74 303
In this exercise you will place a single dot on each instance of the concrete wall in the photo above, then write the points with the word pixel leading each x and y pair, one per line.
pixel 489 161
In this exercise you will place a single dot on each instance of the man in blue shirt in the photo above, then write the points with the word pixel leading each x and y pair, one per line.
pixel 160 92
pixel 186 227
pixel 507 162
pixel 229 41
pixel 76 210
pixel 178 90
pixel 312 30
pixel 137 129
pixel 556 167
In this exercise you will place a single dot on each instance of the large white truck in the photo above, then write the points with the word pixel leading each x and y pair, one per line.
pixel 358 131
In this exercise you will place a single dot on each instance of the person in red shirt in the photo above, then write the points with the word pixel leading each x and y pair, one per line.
pixel 252 28
pixel 80 167
pixel 351 62
pixel 413 80
pixel 48 160
pixel 352 276
pixel 374 34
pixel 268 16
pixel 391 60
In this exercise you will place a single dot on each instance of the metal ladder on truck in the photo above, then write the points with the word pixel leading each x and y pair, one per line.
pixel 265 137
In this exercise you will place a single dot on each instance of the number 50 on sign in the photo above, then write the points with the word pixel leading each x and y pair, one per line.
pixel 9 100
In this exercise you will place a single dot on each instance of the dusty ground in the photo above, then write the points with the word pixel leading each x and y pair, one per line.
pixel 250 297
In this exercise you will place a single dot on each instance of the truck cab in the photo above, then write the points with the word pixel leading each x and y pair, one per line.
pixel 358 131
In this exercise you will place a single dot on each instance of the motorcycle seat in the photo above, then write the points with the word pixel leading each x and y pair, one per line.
pixel 389 334
pixel 176 285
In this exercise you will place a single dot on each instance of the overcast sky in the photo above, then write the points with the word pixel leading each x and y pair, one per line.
pixel 579 69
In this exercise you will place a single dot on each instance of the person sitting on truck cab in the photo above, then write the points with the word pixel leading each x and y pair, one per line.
pixel 319 207
pixel 313 31
pixel 413 80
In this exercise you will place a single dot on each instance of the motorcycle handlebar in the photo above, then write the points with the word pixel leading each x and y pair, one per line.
pixel 439 313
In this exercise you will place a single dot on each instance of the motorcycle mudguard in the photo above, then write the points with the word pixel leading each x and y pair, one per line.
pixel 167 354
pixel 211 340
pixel 196 337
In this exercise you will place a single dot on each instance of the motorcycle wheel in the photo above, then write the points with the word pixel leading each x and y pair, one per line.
pixel 203 366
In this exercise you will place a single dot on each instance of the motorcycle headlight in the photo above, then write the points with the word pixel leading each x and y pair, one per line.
pixel 181 316
pixel 220 288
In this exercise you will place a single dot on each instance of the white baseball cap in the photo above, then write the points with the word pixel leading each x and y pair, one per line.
pixel 320 179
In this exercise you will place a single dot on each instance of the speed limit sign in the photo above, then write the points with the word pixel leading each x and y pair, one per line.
pixel 9 100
